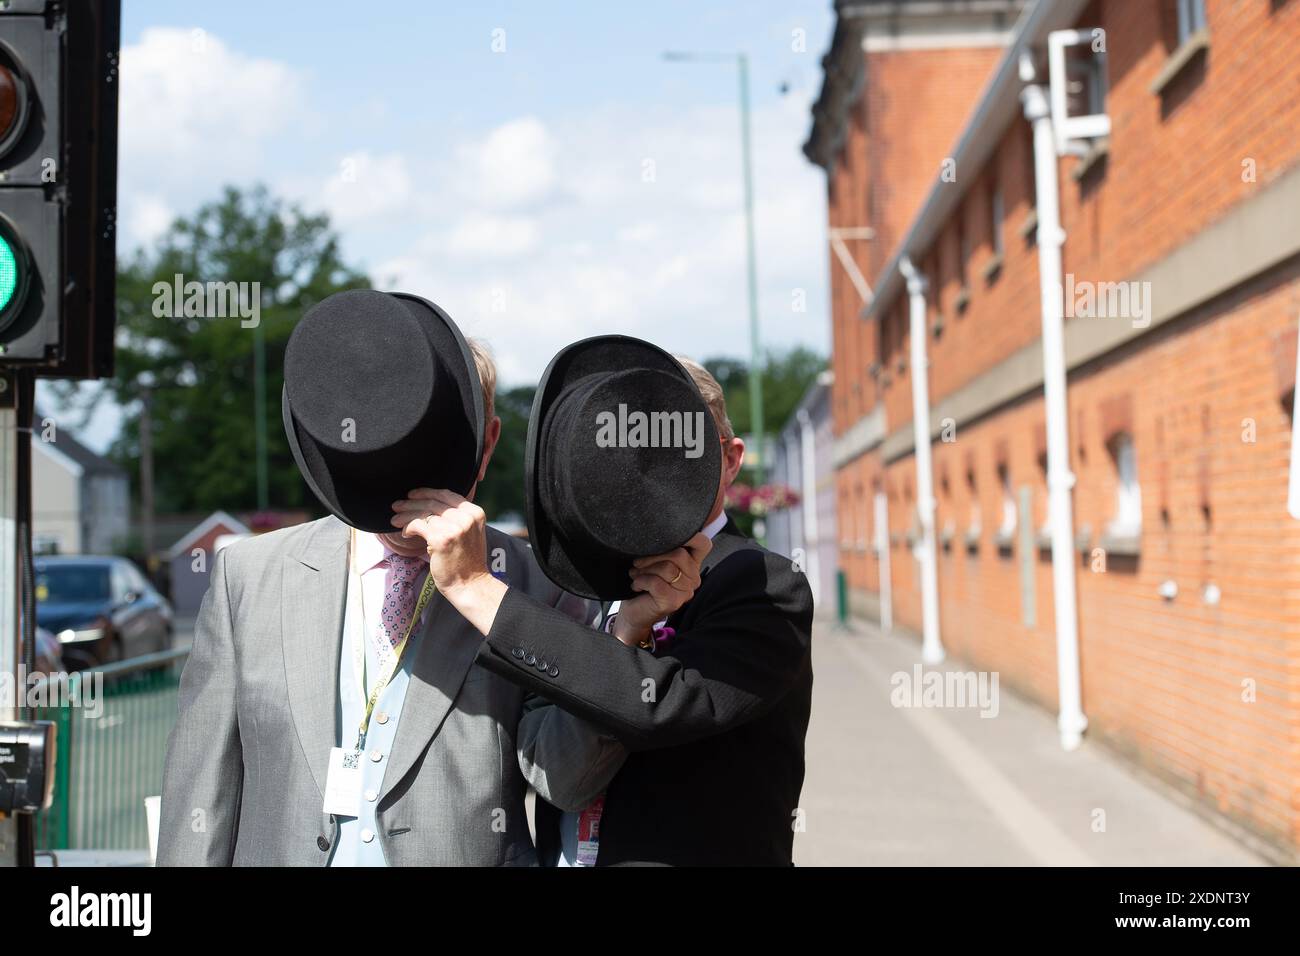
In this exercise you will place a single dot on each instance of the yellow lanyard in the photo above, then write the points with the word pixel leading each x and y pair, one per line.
pixel 426 593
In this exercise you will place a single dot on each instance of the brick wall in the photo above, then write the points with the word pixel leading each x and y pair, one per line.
pixel 1163 680
pixel 914 105
pixel 917 102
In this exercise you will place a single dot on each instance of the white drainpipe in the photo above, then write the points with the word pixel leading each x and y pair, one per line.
pixel 931 647
pixel 881 505
pixel 808 502
pixel 1293 486
pixel 1071 721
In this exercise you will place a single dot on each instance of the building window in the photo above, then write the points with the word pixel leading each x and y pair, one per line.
pixel 1076 65
pixel 1125 528
pixel 846 519
pixel 963 247
pixel 864 522
pixel 1007 529
pixel 962 299
pixel 932 303
pixel 1191 19
pixel 994 264
pixel 1029 224
pixel 1188 37
pixel 995 220
pixel 1128 503
pixel 974 531
pixel 1086 86
pixel 949 529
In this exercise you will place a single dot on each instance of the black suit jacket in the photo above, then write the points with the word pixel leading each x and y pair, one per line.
pixel 714 724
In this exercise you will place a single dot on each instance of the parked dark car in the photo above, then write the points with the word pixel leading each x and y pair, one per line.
pixel 101 609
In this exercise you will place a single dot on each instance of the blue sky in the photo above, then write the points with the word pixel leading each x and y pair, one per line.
pixel 535 168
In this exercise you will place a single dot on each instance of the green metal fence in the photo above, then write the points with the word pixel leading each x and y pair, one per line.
pixel 112 736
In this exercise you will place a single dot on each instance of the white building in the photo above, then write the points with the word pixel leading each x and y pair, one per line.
pixel 801 459
pixel 80 500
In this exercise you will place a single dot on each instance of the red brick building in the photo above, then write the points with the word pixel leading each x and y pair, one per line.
pixel 1180 271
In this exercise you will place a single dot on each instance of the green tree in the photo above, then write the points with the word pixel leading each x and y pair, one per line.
pixel 201 369
pixel 786 377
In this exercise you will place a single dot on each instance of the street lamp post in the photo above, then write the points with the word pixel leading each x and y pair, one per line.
pixel 755 345
pixel 259 417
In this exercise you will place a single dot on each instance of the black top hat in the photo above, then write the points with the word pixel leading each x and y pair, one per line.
pixel 622 461
pixel 381 395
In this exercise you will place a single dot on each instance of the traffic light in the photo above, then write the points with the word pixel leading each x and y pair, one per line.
pixel 58 185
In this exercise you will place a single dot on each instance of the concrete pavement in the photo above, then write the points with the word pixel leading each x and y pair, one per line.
pixel 931 786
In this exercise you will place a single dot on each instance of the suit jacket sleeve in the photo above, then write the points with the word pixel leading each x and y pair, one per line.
pixel 568 761
pixel 204 771
pixel 564 758
pixel 741 644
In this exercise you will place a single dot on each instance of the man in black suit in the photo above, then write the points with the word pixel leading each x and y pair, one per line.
pixel 708 687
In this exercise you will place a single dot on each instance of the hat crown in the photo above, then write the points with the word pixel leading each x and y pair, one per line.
pixel 623 461
pixel 361 371
pixel 381 395
pixel 622 439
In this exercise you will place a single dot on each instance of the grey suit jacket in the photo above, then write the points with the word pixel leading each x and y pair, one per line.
pixel 246 762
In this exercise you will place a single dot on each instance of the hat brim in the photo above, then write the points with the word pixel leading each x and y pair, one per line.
pixel 367 505
pixel 566 566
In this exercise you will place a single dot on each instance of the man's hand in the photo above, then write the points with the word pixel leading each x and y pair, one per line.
pixel 454 532
pixel 666 582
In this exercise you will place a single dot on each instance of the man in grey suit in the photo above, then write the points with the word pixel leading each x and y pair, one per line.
pixel 308 737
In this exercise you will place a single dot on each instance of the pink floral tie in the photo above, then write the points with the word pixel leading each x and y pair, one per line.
pixel 401 594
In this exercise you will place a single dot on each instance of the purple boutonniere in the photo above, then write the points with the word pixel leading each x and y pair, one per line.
pixel 663 637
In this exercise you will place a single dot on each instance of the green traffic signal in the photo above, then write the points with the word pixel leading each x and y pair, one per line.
pixel 8 274
pixel 13 275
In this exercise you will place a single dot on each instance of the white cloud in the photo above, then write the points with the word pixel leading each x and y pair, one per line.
pixel 513 165
pixel 660 257
pixel 366 187
pixel 146 216
pixel 195 115
pixel 638 232
pixel 492 236
pixel 532 233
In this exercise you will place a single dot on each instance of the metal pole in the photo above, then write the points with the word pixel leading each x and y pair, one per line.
pixel 259 414
pixel 17 627
pixel 10 640
pixel 146 479
pixel 10 635
pixel 755 345
pixel 755 348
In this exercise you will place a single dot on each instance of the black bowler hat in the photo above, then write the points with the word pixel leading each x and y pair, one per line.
pixel 381 395
pixel 599 492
